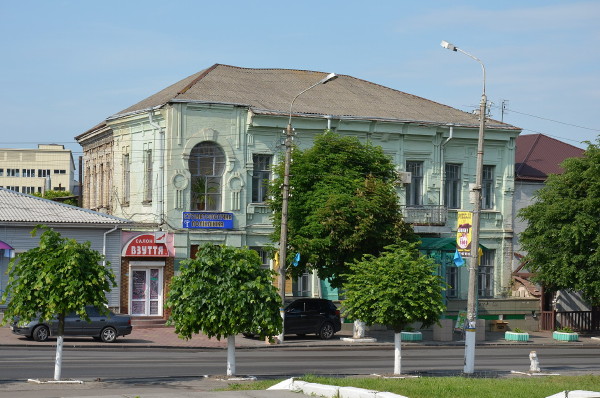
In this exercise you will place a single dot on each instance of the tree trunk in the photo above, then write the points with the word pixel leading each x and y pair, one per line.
pixel 397 353
pixel 359 329
pixel 59 347
pixel 231 355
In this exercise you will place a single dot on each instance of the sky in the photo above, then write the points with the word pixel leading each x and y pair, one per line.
pixel 66 65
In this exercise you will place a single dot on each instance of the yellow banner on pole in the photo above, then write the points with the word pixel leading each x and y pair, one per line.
pixel 463 233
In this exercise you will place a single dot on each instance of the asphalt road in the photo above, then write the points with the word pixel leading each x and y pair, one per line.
pixel 108 364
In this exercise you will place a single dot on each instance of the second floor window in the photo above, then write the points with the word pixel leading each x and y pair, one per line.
pixel 414 191
pixel 453 186
pixel 207 165
pixel 28 173
pixel 126 179
pixel 43 172
pixel 487 188
pixel 12 173
pixel 148 175
pixel 261 176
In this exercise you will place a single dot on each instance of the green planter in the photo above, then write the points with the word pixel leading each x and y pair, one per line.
pixel 411 336
pixel 514 336
pixel 562 336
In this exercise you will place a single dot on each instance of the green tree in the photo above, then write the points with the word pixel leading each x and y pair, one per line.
pixel 562 238
pixel 59 276
pixel 52 195
pixel 224 292
pixel 397 288
pixel 343 204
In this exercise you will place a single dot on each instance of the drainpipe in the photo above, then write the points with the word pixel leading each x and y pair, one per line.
pixel 104 253
pixel 161 167
pixel 442 168
pixel 328 117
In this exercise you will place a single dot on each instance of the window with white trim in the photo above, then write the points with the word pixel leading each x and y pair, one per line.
pixel 485 282
pixel 453 186
pixel 261 175
pixel 207 165
pixel 487 188
pixel 414 190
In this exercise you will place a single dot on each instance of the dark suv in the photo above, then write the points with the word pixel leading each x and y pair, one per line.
pixel 311 315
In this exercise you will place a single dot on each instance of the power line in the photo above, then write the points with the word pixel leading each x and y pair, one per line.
pixel 506 109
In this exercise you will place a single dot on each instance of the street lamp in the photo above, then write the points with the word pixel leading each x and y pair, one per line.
pixel 285 193
pixel 472 294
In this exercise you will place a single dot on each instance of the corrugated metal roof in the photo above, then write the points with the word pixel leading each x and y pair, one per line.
pixel 19 207
pixel 270 91
pixel 537 156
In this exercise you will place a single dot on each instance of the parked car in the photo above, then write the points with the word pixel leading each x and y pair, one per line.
pixel 311 315
pixel 105 328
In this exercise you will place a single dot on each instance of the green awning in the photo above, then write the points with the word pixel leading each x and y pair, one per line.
pixel 446 244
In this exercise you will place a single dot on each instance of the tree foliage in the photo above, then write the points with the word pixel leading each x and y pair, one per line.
pixel 397 288
pixel 343 204
pixel 224 292
pixel 562 238
pixel 59 276
pixel 52 195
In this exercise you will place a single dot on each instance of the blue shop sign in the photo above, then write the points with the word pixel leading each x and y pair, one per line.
pixel 207 220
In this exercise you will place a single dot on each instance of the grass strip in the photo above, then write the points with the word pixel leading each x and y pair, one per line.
pixel 452 387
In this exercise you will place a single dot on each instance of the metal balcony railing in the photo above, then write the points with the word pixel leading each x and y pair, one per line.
pixel 425 215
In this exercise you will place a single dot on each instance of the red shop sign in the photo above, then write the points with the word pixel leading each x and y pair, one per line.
pixel 145 246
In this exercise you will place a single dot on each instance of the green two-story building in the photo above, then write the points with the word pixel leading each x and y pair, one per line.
pixel 188 165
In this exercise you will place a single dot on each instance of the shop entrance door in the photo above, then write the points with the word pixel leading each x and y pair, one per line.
pixel 146 291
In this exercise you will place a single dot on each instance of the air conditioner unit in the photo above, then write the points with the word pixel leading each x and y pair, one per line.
pixel 404 177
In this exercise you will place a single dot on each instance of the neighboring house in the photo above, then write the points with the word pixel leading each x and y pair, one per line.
pixel 536 158
pixel 49 167
pixel 192 161
pixel 20 213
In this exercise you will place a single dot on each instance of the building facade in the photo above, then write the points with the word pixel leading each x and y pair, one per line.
pixel 49 167
pixel 193 160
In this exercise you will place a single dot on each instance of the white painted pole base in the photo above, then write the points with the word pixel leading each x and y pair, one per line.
pixel 397 353
pixel 231 355
pixel 359 330
pixel 58 361
pixel 280 337
pixel 469 351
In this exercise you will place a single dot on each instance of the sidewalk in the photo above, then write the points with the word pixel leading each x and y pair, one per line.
pixel 165 337
pixel 204 387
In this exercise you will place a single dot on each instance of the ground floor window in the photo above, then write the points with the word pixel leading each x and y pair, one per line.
pixel 485 278
pixel 302 286
pixel 452 281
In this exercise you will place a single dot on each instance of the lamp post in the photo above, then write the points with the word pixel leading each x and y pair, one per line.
pixel 285 194
pixel 473 263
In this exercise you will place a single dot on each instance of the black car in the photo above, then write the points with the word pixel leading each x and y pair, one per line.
pixel 311 315
pixel 101 327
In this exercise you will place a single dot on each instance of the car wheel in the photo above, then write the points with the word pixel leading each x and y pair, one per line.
pixel 326 331
pixel 108 335
pixel 40 333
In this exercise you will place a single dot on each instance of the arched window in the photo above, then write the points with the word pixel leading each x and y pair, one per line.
pixel 207 164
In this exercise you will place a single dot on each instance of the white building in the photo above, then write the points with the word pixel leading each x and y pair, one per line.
pixel 49 167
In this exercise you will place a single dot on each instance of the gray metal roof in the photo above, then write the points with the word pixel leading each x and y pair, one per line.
pixel 270 91
pixel 18 207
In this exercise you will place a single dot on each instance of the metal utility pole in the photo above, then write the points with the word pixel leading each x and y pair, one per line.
pixel 285 194
pixel 470 332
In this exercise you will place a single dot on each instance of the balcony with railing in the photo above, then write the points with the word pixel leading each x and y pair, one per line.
pixel 430 215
